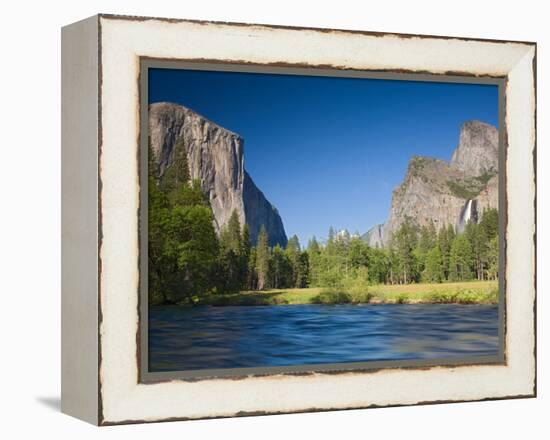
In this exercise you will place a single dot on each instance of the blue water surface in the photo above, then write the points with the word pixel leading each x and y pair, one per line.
pixel 198 338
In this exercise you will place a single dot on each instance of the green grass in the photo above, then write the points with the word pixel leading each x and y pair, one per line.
pixel 339 296
pixel 470 292
pixel 465 292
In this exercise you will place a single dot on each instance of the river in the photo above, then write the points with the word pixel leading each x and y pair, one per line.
pixel 260 336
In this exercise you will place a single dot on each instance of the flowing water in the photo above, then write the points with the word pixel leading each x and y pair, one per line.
pixel 235 337
pixel 467 213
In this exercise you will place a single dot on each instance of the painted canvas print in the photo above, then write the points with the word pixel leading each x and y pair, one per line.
pixel 298 220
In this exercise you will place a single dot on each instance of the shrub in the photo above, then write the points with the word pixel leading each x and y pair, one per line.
pixel 277 300
pixel 460 190
pixel 361 297
pixel 331 296
pixel 402 298
pixel 340 296
pixel 464 296
pixel 486 176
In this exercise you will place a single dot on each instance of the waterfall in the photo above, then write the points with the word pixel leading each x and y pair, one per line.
pixel 467 213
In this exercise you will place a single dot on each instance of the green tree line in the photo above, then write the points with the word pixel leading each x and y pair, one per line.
pixel 188 260
pixel 415 254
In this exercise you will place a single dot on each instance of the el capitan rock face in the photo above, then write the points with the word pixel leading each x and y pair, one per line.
pixel 446 193
pixel 216 158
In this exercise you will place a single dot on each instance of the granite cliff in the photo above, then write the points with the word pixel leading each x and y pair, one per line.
pixel 446 193
pixel 477 151
pixel 215 157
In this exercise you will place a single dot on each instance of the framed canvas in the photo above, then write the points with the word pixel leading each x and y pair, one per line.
pixel 263 219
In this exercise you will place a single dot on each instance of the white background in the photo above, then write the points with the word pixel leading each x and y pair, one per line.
pixel 30 217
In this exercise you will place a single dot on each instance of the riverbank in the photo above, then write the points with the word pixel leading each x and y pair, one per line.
pixel 471 292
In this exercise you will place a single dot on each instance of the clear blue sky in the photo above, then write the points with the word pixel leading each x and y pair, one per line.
pixel 329 151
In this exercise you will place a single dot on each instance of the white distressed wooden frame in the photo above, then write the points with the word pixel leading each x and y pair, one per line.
pixel 100 181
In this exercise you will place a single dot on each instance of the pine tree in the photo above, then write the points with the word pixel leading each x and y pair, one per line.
pixel 404 242
pixel 314 260
pixel 426 241
pixel 229 256
pixel 331 234
pixel 303 278
pixel 292 252
pixel 461 259
pixel 234 255
pixel 393 269
pixel 433 272
pixel 378 266
pixel 157 212
pixel 280 269
pixel 234 233
pixel 358 253
pixel 177 173
pixel 492 258
pixel 245 257
pixel 489 229
pixel 445 241
pixel 252 275
pixel 489 223
pixel 245 240
pixel 313 245
pixel 478 241
pixel 262 259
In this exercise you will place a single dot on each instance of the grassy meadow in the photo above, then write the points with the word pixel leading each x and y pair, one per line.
pixel 464 292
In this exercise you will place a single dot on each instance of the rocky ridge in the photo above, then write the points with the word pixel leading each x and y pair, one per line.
pixel 446 193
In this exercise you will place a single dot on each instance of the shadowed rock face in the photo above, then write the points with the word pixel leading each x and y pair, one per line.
pixel 259 211
pixel 215 157
pixel 436 191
